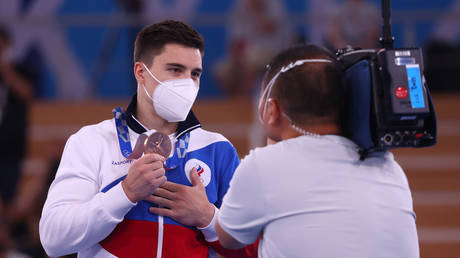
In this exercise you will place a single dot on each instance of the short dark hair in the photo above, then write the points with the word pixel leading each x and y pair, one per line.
pixel 310 91
pixel 151 39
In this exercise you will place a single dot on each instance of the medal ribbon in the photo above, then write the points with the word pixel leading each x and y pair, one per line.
pixel 125 142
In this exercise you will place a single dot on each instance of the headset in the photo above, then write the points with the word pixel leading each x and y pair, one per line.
pixel 387 101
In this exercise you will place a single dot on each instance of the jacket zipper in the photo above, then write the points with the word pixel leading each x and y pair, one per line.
pixel 160 236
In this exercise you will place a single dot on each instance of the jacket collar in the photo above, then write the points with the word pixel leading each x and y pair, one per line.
pixel 189 124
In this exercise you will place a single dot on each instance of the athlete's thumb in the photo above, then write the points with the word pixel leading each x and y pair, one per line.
pixel 195 178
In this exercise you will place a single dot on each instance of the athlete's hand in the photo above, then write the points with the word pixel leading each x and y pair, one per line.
pixel 144 177
pixel 188 205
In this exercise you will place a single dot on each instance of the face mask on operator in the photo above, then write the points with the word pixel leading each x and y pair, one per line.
pixel 173 99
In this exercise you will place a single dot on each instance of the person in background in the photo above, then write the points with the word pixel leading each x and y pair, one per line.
pixel 356 24
pixel 257 30
pixel 16 93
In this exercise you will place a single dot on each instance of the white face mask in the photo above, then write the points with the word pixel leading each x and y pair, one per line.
pixel 268 88
pixel 173 99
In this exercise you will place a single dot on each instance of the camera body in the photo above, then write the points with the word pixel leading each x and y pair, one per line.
pixel 387 102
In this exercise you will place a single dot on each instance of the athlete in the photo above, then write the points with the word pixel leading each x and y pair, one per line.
pixel 102 200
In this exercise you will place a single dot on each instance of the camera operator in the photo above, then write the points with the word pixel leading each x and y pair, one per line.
pixel 309 194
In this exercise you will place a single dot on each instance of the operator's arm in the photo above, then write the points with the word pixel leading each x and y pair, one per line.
pixel 243 214
pixel 226 239
pixel 236 250
pixel 76 214
pixel 228 162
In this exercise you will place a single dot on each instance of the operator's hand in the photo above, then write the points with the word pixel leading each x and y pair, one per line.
pixel 144 177
pixel 188 205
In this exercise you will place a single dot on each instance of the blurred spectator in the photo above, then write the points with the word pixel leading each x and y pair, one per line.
pixel 15 93
pixel 257 30
pixel 442 52
pixel 319 16
pixel 355 24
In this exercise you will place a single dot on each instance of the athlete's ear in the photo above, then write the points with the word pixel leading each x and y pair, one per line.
pixel 139 72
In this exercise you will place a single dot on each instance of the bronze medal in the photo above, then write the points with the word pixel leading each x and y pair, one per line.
pixel 155 143
pixel 158 143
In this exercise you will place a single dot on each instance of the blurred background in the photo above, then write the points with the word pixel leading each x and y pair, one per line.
pixel 65 64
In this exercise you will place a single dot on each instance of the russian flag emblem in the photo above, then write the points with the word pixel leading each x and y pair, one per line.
pixel 199 170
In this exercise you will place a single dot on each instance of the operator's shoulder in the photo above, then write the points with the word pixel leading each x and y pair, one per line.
pixel 272 152
pixel 200 138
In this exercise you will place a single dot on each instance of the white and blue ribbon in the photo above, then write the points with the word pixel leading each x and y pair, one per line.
pixel 122 132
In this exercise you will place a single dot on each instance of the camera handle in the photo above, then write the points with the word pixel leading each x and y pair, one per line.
pixel 387 39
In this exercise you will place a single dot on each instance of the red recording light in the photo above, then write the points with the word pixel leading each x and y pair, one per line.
pixel 401 92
